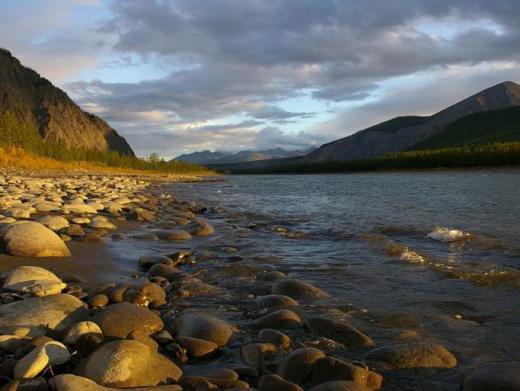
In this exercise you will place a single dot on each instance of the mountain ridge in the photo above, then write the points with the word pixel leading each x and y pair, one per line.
pixel 219 157
pixel 40 105
pixel 371 142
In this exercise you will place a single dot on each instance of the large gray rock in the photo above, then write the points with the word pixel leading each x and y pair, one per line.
pixel 498 376
pixel 298 289
pixel 32 239
pixel 70 382
pixel 55 312
pixel 411 355
pixel 33 279
pixel 119 320
pixel 339 331
pixel 202 326
pixel 128 363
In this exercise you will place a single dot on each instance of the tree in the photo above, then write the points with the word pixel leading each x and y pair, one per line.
pixel 154 157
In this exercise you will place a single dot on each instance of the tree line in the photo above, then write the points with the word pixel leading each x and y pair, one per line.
pixel 478 155
pixel 15 133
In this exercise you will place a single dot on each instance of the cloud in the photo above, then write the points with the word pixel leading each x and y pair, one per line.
pixel 245 57
pixel 416 95
pixel 45 36
pixel 273 137
pixel 230 66
pixel 277 114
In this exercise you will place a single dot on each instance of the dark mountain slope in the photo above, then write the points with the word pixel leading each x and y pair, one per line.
pixel 40 106
pixel 379 140
pixel 479 128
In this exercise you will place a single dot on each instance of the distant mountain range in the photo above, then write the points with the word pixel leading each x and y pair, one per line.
pixel 403 133
pixel 492 115
pixel 215 158
pixel 48 114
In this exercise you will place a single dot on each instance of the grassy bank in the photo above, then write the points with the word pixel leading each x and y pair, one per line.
pixel 15 157
pixel 487 155
pixel 24 147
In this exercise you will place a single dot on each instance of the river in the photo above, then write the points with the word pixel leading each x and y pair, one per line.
pixel 419 255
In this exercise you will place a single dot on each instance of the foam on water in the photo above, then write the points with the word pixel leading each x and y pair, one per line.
pixel 411 256
pixel 444 234
pixel 484 273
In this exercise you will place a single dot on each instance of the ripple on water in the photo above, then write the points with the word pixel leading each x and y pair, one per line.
pixel 481 273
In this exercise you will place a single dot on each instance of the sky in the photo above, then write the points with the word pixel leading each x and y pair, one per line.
pixel 177 76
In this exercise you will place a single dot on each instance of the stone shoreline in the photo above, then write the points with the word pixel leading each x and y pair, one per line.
pixel 169 326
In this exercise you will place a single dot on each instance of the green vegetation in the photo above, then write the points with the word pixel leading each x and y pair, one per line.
pixel 14 133
pixel 478 128
pixel 496 154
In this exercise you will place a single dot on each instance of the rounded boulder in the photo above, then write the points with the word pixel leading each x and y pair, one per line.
pixel 202 326
pixel 119 320
pixel 128 363
pixel 32 239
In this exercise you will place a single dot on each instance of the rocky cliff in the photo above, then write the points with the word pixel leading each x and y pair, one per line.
pixel 37 103
pixel 402 133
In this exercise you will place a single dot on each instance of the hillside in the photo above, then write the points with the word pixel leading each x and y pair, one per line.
pixel 218 158
pixel 392 136
pixel 479 128
pixel 44 113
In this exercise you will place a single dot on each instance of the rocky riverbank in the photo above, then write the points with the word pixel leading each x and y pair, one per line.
pixel 185 317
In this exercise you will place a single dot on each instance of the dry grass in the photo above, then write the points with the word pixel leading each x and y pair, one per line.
pixel 18 158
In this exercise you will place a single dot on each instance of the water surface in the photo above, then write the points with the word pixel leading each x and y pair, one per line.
pixel 364 239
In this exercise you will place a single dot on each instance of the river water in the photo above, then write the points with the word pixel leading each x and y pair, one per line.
pixel 420 255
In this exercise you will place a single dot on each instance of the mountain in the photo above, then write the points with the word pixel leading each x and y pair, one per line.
pixel 215 158
pixel 202 157
pixel 402 133
pixel 479 128
pixel 40 106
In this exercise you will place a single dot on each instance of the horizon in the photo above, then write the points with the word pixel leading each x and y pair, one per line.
pixel 177 77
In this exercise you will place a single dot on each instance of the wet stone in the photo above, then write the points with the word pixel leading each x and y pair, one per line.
pixel 298 289
pixel 411 355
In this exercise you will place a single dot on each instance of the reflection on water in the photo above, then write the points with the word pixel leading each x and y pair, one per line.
pixel 435 253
